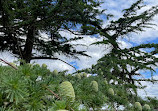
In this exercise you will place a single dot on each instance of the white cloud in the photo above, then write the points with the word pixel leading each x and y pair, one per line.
pixel 115 7
pixel 8 57
pixel 54 64
pixel 151 90
pixel 123 44
pixel 94 51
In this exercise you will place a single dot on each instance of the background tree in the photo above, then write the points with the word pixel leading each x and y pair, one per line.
pixel 22 21
pixel 123 65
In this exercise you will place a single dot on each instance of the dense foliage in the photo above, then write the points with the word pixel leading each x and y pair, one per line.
pixel 35 88
pixel 23 21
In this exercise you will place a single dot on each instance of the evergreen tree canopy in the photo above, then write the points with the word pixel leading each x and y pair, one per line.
pixel 22 21
pixel 123 65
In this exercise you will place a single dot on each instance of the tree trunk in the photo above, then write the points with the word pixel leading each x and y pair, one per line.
pixel 29 45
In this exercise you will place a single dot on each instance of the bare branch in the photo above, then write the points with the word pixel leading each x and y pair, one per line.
pixel 9 64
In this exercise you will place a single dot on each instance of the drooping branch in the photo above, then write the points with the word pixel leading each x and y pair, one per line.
pixel 53 59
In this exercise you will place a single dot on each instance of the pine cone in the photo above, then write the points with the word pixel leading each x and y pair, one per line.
pixel 111 91
pixel 66 91
pixel 94 86
pixel 138 106
pixel 146 107
pixel 55 72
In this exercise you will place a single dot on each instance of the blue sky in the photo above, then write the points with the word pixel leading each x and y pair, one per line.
pixel 115 7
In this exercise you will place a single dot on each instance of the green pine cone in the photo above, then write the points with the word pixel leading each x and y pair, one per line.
pixel 37 65
pixel 100 70
pixel 44 65
pixel 138 106
pixel 84 75
pixel 146 107
pixel 78 76
pixel 105 82
pixel 111 91
pixel 94 86
pixel 55 72
pixel 66 91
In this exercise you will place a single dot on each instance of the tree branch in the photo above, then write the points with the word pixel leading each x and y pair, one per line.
pixel 8 64
pixel 53 59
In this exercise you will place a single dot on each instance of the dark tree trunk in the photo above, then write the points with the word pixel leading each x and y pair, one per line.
pixel 29 45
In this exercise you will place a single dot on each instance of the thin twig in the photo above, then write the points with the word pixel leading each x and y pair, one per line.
pixel 53 93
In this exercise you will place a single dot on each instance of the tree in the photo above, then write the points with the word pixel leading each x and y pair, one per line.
pixel 122 65
pixel 22 21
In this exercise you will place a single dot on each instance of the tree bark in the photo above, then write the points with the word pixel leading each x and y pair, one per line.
pixel 29 45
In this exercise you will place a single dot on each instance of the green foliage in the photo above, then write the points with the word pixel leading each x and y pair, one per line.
pixel 34 88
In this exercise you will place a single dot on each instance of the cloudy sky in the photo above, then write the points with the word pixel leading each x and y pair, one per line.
pixel 115 7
